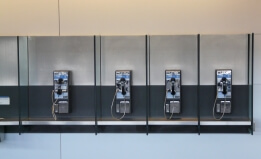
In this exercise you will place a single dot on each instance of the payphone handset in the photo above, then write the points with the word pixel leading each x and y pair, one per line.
pixel 60 93
pixel 172 102
pixel 223 98
pixel 122 96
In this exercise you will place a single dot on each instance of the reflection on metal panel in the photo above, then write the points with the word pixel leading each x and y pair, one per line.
pixel 123 53
pixel 23 61
pixel 8 61
pixel 47 54
pixel 223 52
pixel 173 52
pixel 97 58
pixel 257 58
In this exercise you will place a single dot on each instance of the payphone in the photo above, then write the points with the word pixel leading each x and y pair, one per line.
pixel 122 96
pixel 61 92
pixel 222 104
pixel 172 102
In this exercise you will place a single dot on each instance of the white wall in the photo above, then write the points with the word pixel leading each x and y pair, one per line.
pixel 114 17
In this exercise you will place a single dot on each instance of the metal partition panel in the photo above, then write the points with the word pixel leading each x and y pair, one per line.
pixel 73 53
pixel 173 52
pixel 47 54
pixel 24 76
pixel 123 53
pixel 8 78
pixel 224 52
pixel 8 61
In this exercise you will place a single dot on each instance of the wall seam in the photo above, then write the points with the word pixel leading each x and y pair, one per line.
pixel 60 145
pixel 59 19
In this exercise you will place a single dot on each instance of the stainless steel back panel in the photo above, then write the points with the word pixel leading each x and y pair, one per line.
pixel 257 57
pixel 23 61
pixel 123 53
pixel 173 52
pixel 223 52
pixel 8 61
pixel 47 54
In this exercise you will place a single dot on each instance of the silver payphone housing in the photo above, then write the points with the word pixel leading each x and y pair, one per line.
pixel 61 95
pixel 123 80
pixel 173 91
pixel 223 90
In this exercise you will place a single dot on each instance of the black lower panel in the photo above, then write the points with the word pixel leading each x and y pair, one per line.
pixel 173 129
pixel 51 129
pixel 122 129
pixel 12 110
pixel 11 129
pixel 35 102
pixel 225 129
pixel 188 102
pixel 138 103
pixel 240 102
pixel 75 129
pixel 127 129
pixel 81 102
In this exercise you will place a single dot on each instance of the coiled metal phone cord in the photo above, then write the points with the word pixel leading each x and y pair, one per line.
pixel 169 107
pixel 117 90
pixel 54 102
pixel 220 108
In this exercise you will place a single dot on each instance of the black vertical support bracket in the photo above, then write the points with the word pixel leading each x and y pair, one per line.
pixel 19 89
pixel 95 86
pixel 248 59
pixel 198 87
pixel 147 82
pixel 252 84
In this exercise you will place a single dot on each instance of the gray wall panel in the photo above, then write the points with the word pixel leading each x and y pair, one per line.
pixel 257 57
pixel 223 52
pixel 123 53
pixel 61 53
pixel 173 52
pixel 8 61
